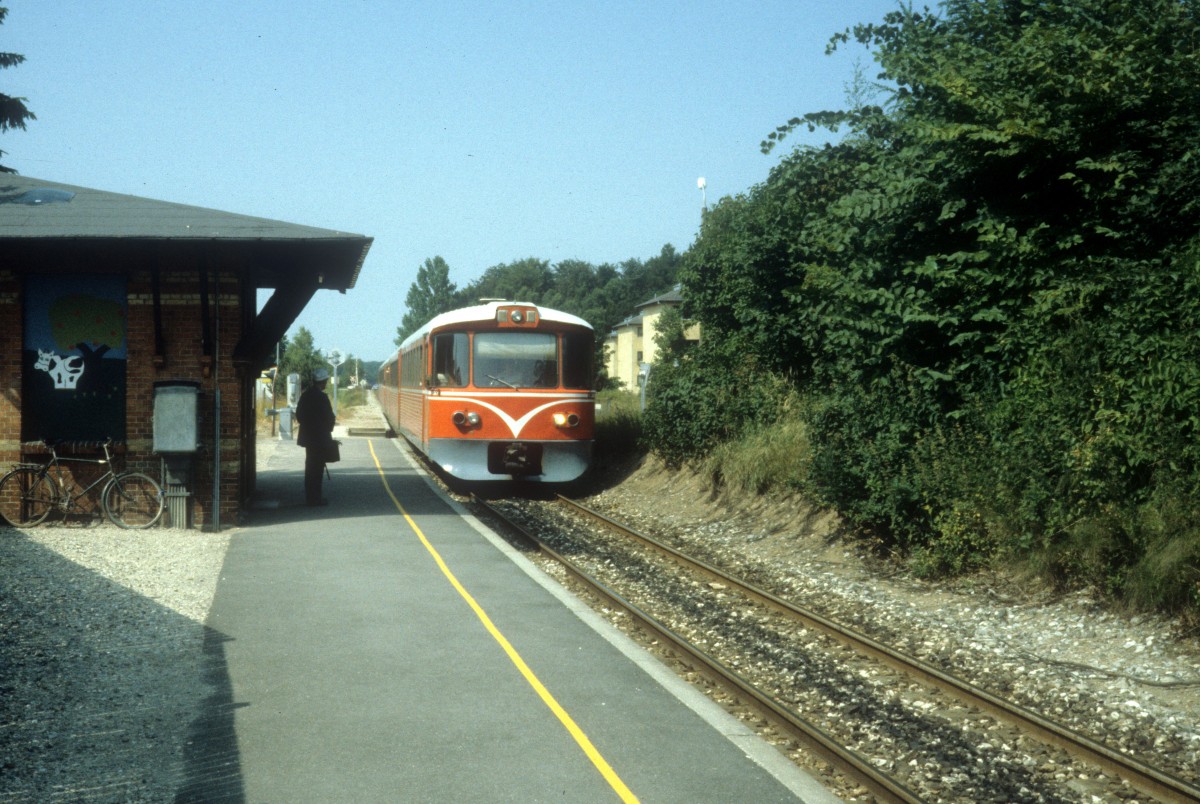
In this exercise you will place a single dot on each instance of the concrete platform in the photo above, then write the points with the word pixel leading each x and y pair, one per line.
pixel 389 647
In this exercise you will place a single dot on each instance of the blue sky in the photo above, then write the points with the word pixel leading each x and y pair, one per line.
pixel 483 133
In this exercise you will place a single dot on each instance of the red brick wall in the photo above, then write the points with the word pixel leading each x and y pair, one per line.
pixel 182 358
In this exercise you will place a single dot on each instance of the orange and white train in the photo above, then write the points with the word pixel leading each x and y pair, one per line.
pixel 498 391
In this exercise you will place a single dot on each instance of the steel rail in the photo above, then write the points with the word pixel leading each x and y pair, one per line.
pixel 857 767
pixel 1152 781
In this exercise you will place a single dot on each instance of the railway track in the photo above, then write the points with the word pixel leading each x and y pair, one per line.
pixel 1144 778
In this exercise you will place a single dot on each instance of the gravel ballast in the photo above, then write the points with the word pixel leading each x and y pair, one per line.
pixel 1131 681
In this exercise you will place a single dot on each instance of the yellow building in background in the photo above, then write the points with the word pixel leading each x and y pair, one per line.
pixel 631 342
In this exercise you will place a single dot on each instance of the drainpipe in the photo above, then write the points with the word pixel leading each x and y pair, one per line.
pixel 216 512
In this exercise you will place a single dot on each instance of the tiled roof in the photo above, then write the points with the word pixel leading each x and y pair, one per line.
pixel 41 218
pixel 35 208
pixel 672 296
pixel 628 322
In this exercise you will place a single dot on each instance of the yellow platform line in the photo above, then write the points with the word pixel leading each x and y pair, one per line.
pixel 567 721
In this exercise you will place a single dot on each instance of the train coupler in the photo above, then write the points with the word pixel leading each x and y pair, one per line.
pixel 514 458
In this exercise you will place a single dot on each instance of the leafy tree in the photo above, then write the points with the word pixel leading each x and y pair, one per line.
pixel 302 357
pixel 644 280
pixel 572 284
pixel 1023 193
pixel 526 280
pixel 433 293
pixel 670 339
pixel 1033 150
pixel 370 370
pixel 13 112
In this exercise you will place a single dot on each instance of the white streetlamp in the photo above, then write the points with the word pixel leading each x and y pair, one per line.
pixel 702 185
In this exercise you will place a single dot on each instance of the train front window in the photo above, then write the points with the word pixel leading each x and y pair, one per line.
pixel 451 351
pixel 516 360
pixel 577 359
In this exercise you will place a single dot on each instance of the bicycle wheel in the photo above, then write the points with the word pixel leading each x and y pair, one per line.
pixel 133 500
pixel 26 496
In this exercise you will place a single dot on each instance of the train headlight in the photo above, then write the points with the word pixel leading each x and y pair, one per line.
pixel 464 420
pixel 566 419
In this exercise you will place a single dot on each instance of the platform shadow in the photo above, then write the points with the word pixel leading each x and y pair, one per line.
pixel 104 690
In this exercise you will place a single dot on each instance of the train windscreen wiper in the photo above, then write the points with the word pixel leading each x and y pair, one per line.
pixel 503 382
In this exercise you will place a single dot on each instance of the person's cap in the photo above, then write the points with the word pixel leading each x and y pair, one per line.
pixel 320 375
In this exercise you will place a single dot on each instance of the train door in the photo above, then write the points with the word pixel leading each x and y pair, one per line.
pixel 449 364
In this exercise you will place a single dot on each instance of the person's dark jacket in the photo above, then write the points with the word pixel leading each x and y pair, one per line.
pixel 314 414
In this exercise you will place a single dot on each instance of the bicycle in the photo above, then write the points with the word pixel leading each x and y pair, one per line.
pixel 29 492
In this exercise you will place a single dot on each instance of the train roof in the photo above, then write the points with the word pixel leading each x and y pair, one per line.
pixel 487 312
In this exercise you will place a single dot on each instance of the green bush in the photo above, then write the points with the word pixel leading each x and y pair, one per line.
pixel 864 462
pixel 708 398
pixel 954 471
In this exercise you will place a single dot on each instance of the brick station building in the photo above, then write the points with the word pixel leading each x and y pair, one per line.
pixel 109 302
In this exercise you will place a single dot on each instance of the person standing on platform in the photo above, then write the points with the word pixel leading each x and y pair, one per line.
pixel 314 414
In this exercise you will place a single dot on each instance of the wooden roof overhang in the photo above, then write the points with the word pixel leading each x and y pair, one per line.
pixel 47 227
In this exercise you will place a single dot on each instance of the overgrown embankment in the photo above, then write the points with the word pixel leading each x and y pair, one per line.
pixel 972 326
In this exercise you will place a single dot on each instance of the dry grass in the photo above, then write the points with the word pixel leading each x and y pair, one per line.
pixel 772 458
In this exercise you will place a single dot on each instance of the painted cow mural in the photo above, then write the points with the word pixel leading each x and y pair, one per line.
pixel 74 358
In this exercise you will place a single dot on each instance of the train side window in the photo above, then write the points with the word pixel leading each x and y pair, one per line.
pixel 451 353
pixel 578 352
pixel 411 367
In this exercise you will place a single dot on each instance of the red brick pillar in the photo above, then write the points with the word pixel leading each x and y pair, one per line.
pixel 11 357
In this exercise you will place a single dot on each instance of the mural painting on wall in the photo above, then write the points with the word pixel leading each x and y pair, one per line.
pixel 74 358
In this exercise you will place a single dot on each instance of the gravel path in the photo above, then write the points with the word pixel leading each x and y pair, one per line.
pixel 102 660
pixel 105 661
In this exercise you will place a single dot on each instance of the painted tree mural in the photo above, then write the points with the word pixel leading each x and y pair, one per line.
pixel 91 325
